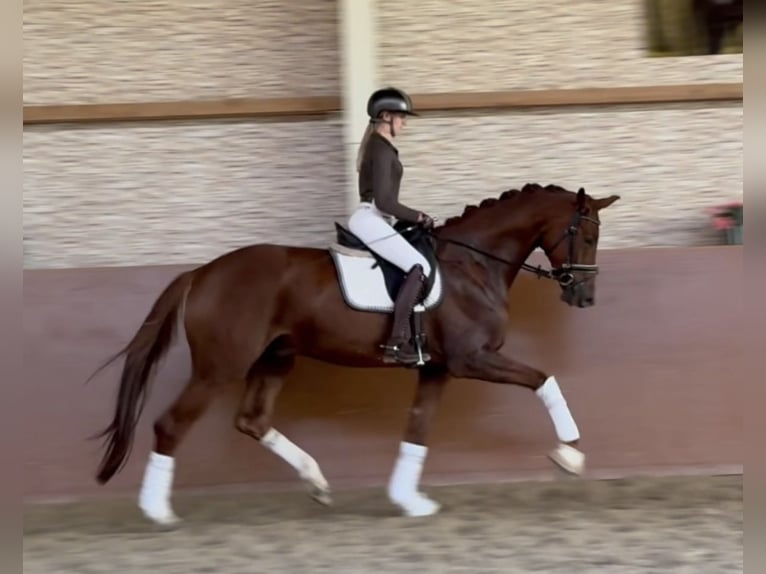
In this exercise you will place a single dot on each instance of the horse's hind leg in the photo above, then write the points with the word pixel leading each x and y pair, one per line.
pixel 169 430
pixel 403 485
pixel 255 415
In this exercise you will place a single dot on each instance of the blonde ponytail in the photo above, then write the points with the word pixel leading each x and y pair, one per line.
pixel 363 144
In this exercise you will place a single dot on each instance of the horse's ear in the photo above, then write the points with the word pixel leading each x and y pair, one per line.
pixel 580 198
pixel 605 202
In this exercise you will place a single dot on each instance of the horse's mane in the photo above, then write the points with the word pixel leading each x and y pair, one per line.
pixel 528 190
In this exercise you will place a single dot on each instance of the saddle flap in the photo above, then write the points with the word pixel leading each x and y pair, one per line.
pixel 346 238
pixel 368 287
pixel 392 275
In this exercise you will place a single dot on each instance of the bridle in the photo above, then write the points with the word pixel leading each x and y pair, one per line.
pixel 564 274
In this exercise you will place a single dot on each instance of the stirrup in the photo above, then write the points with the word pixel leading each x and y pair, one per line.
pixel 391 355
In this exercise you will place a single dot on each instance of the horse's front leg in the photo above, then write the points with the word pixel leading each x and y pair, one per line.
pixel 403 485
pixel 491 366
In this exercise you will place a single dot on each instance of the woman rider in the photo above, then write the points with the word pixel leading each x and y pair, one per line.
pixel 380 174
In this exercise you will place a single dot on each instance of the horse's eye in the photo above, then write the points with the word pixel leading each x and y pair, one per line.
pixel 589 241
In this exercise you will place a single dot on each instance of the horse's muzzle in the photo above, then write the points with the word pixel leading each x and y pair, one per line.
pixel 577 284
pixel 579 294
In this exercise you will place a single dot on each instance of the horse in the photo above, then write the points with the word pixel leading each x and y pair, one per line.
pixel 250 312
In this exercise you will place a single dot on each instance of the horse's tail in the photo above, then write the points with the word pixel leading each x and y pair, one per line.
pixel 145 350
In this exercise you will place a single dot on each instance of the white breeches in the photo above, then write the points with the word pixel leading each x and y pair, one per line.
pixel 369 224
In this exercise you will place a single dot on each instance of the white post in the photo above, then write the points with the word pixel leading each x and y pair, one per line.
pixel 358 80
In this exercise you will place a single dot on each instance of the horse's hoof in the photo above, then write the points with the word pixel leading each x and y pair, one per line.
pixel 322 496
pixel 569 459
pixel 418 505
pixel 163 520
pixel 170 526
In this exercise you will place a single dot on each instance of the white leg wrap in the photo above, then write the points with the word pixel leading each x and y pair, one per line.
pixel 553 399
pixel 403 485
pixel 154 498
pixel 308 468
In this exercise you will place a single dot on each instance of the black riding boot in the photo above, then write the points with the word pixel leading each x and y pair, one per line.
pixel 400 347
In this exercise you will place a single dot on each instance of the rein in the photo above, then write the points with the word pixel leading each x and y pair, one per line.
pixel 538 270
pixel 563 274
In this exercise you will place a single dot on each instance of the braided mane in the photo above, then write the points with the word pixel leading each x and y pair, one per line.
pixel 506 196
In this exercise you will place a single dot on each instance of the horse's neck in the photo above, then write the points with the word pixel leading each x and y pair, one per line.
pixel 513 242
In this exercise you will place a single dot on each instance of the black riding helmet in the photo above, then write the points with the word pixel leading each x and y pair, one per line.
pixel 389 100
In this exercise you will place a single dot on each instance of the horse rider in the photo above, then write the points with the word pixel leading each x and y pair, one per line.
pixel 380 174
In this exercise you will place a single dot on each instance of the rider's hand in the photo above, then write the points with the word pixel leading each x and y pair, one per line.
pixel 426 221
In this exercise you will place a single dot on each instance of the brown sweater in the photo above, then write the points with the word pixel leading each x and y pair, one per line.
pixel 380 176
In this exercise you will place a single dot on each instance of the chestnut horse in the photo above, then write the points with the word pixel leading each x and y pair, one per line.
pixel 250 312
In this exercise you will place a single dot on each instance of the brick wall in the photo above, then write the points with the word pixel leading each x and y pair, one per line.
pixel 178 192
pixel 668 162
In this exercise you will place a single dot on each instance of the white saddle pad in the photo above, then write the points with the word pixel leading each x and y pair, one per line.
pixel 363 285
